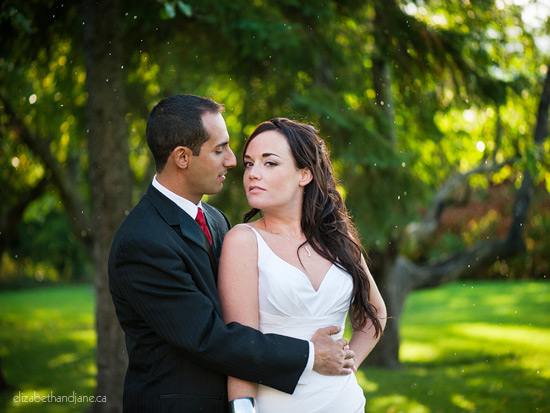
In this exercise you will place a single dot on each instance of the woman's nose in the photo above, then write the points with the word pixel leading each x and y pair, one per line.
pixel 253 172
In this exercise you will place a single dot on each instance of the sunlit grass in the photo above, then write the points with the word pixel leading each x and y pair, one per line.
pixel 47 345
pixel 469 346
pixel 466 347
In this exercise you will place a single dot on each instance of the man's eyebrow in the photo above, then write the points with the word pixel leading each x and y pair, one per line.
pixel 264 155
pixel 219 145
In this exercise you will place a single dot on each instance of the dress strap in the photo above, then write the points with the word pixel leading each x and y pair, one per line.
pixel 262 245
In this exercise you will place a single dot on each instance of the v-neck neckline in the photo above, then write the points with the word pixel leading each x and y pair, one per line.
pixel 293 266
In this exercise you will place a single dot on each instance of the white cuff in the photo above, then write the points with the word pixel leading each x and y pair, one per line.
pixel 243 405
pixel 306 374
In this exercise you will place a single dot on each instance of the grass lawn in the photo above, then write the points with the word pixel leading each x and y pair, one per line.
pixel 467 347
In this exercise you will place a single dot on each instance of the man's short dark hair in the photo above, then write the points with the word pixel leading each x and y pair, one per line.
pixel 177 121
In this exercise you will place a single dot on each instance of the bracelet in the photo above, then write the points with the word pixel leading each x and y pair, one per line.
pixel 243 405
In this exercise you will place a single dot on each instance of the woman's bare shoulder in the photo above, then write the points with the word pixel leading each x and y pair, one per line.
pixel 240 234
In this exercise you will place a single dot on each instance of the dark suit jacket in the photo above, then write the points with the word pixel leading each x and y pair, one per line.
pixel 162 277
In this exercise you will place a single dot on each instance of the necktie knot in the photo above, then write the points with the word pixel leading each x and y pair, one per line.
pixel 202 223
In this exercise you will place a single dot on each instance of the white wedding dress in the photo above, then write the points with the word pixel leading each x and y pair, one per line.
pixel 290 306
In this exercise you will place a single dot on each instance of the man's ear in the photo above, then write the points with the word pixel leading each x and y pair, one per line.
pixel 306 177
pixel 180 156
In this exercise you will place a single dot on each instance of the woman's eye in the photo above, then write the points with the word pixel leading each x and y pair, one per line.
pixel 271 163
pixel 247 164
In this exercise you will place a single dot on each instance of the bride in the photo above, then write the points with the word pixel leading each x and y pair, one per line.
pixel 299 267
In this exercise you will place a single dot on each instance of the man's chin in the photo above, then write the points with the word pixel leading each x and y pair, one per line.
pixel 215 191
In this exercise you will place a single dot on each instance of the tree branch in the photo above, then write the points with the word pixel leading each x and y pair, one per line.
pixel 481 254
pixel 74 204
pixel 11 214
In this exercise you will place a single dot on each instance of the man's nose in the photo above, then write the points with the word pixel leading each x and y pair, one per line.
pixel 231 160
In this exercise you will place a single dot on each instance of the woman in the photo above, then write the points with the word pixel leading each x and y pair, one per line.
pixel 300 266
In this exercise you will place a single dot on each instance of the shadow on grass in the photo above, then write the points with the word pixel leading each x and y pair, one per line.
pixel 484 383
pixel 47 343
pixel 469 346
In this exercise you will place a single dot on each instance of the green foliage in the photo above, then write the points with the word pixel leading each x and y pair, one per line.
pixel 463 76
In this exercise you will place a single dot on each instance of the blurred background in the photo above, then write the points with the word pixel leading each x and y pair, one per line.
pixel 436 116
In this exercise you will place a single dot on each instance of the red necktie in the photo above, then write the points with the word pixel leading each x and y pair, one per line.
pixel 202 223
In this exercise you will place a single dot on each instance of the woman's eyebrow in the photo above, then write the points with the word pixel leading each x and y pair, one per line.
pixel 264 155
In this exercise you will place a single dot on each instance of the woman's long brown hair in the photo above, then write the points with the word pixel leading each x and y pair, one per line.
pixel 326 223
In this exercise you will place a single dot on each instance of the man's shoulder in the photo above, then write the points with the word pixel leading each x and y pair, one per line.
pixel 216 214
pixel 212 209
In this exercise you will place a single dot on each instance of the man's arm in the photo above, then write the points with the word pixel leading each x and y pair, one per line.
pixel 160 282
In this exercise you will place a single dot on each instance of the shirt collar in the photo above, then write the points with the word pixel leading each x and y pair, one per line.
pixel 183 203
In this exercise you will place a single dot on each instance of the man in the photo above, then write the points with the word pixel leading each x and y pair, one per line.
pixel 162 277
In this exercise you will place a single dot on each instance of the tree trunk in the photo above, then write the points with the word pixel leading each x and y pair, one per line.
pixel 386 352
pixel 110 181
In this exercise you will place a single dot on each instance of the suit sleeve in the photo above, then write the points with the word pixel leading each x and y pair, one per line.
pixel 157 282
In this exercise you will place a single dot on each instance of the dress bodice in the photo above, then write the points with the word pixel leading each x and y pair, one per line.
pixel 289 305
pixel 288 302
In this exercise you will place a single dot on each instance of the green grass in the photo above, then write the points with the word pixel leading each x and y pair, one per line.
pixel 47 346
pixel 467 347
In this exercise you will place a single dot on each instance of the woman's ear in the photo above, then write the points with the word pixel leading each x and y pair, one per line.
pixel 306 177
pixel 180 156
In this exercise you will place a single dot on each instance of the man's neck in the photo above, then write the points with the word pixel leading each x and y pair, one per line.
pixel 187 205
pixel 175 186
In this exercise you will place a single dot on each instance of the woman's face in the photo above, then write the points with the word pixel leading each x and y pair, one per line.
pixel 271 179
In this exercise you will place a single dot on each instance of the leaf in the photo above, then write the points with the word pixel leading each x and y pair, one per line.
pixel 185 8
pixel 169 11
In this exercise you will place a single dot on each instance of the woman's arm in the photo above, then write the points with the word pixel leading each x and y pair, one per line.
pixel 363 341
pixel 238 289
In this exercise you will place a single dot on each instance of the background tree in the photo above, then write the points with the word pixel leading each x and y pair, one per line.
pixel 110 179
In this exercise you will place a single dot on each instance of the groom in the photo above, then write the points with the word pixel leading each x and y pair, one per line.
pixel 162 277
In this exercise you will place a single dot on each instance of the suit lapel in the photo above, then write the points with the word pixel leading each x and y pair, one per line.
pixel 212 225
pixel 175 216
pixel 189 229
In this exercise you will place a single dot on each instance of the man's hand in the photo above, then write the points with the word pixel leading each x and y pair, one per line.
pixel 332 357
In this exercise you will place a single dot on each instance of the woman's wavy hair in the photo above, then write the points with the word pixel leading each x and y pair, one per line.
pixel 326 222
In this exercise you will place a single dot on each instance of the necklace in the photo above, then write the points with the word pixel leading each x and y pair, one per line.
pixel 286 236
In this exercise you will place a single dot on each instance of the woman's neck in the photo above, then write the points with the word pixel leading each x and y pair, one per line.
pixel 287 225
